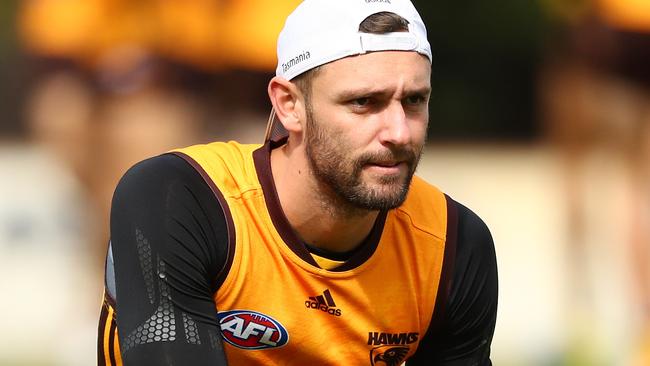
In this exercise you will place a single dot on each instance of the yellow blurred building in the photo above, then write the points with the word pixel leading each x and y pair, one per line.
pixel 207 34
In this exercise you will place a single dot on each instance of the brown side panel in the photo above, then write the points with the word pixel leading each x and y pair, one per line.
pixel 108 349
pixel 444 288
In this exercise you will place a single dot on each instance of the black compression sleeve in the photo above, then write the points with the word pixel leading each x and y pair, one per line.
pixel 465 334
pixel 169 240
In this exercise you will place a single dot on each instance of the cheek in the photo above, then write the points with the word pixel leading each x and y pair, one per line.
pixel 347 134
pixel 419 130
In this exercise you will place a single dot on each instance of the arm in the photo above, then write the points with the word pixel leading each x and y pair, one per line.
pixel 169 242
pixel 466 329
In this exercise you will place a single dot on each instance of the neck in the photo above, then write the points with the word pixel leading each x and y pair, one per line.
pixel 316 214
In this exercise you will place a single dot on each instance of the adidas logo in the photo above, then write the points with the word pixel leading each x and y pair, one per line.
pixel 323 302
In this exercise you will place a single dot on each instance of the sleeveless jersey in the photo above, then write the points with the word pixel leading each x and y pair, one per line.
pixel 277 306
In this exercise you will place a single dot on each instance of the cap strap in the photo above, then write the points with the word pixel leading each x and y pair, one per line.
pixel 399 41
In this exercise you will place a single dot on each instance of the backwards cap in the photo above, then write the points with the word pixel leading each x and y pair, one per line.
pixel 321 31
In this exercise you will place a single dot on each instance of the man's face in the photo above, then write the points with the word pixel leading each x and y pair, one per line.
pixel 366 126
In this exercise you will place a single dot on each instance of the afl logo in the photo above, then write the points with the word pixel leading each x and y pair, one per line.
pixel 251 330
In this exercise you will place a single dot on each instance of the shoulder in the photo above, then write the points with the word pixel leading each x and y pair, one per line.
pixel 163 164
pixel 463 323
pixel 425 208
pixel 157 171
pixel 474 283
pixel 169 201
pixel 474 239
pixel 223 153
pixel 228 165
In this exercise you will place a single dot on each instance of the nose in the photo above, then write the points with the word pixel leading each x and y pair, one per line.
pixel 395 127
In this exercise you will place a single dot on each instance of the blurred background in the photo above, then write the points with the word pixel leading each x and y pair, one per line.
pixel 540 122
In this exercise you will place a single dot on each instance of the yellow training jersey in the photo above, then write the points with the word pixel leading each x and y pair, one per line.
pixel 277 305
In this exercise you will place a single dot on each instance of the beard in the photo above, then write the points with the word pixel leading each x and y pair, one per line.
pixel 334 167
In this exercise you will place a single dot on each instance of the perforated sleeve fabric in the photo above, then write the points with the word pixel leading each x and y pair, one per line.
pixel 467 326
pixel 168 242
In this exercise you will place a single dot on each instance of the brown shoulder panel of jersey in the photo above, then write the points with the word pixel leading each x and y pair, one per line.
pixel 226 212
pixel 262 159
pixel 444 289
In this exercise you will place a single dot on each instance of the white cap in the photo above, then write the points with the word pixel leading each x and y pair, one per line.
pixel 322 31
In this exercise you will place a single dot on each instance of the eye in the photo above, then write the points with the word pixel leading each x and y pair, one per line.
pixel 361 102
pixel 414 99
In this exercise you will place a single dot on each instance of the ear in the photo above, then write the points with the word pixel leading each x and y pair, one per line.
pixel 288 103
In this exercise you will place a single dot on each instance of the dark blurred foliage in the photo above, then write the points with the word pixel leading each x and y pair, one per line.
pixel 12 73
pixel 486 55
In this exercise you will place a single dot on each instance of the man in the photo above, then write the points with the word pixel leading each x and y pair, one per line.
pixel 319 247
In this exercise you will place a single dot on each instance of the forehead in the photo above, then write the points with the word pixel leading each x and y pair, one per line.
pixel 385 71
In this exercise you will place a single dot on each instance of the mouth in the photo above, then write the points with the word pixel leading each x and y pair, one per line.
pixel 386 167
pixel 386 164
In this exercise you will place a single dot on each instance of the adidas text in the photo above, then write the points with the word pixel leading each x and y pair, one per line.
pixel 323 307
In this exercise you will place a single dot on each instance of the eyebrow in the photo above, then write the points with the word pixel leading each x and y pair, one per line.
pixel 425 90
pixel 369 92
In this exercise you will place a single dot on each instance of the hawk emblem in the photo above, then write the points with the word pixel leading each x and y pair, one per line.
pixel 388 355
